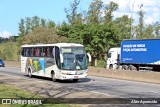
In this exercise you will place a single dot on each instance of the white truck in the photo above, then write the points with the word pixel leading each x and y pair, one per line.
pixel 113 58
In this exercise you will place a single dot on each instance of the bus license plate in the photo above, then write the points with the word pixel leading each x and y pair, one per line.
pixel 75 76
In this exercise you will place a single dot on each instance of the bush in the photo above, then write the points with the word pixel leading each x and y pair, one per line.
pixel 101 63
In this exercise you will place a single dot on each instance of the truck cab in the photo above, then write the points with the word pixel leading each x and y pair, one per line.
pixel 113 58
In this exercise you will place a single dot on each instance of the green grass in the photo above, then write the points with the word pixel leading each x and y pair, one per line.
pixel 9 91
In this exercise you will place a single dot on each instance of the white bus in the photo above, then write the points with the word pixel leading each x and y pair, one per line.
pixel 57 61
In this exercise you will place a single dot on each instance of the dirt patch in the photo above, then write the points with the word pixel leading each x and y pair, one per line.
pixel 144 76
pixel 12 63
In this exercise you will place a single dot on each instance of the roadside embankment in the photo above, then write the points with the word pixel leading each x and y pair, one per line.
pixel 143 76
pixel 12 63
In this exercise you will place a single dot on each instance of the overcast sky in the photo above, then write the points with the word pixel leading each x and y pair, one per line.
pixel 11 11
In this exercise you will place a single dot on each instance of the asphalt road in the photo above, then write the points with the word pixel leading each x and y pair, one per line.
pixel 106 86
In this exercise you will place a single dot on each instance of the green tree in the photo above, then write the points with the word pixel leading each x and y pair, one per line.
pixel 141 24
pixel 94 13
pixel 148 32
pixel 21 28
pixel 123 25
pixel 51 24
pixel 156 27
pixel 35 22
pixel 71 14
pixel 63 29
pixel 28 25
pixel 43 35
pixel 109 9
pixel 8 51
pixel 43 22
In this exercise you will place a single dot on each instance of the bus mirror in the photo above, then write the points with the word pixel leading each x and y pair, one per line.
pixel 61 58
pixel 89 57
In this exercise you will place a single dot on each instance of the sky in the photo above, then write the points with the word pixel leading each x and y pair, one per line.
pixel 11 11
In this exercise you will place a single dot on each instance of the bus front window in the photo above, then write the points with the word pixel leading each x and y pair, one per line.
pixel 68 61
pixel 74 58
pixel 81 61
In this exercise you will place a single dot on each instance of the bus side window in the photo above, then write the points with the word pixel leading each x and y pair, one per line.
pixel 47 51
pixel 40 52
pixel 37 51
pixel 51 51
pixel 57 57
pixel 22 52
pixel 30 52
pixel 27 52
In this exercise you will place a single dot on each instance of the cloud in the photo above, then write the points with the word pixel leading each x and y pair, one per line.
pixel 128 7
pixel 5 34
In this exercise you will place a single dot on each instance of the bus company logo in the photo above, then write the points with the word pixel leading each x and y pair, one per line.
pixel 6 101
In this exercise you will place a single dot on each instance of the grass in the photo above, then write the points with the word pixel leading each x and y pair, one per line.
pixel 9 91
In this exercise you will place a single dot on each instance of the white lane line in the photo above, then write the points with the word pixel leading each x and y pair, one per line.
pixel 154 92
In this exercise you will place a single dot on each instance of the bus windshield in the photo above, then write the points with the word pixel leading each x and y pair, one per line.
pixel 74 58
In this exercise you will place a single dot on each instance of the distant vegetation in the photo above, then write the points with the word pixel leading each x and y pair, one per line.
pixel 9 51
pixel 95 28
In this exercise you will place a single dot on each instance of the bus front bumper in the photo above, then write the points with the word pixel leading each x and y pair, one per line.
pixel 65 77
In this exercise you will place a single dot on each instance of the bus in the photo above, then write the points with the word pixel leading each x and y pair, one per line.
pixel 57 61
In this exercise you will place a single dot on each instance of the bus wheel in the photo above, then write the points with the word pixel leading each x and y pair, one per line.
pixel 75 80
pixel 29 73
pixel 53 77
pixel 110 66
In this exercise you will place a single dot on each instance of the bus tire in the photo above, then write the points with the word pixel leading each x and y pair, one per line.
pixel 29 73
pixel 111 66
pixel 75 80
pixel 53 77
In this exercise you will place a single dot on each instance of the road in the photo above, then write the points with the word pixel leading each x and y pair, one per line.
pixel 106 86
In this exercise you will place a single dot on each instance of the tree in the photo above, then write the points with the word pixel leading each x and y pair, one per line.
pixel 8 51
pixel 109 9
pixel 63 29
pixel 156 27
pixel 43 35
pixel 94 13
pixel 21 28
pixel 123 25
pixel 35 22
pixel 141 24
pixel 72 13
pixel 28 25
pixel 51 24
pixel 43 22
pixel 148 32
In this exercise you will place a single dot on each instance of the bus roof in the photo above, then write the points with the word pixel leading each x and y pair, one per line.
pixel 56 44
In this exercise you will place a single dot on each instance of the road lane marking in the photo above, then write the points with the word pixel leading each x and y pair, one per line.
pixel 154 92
